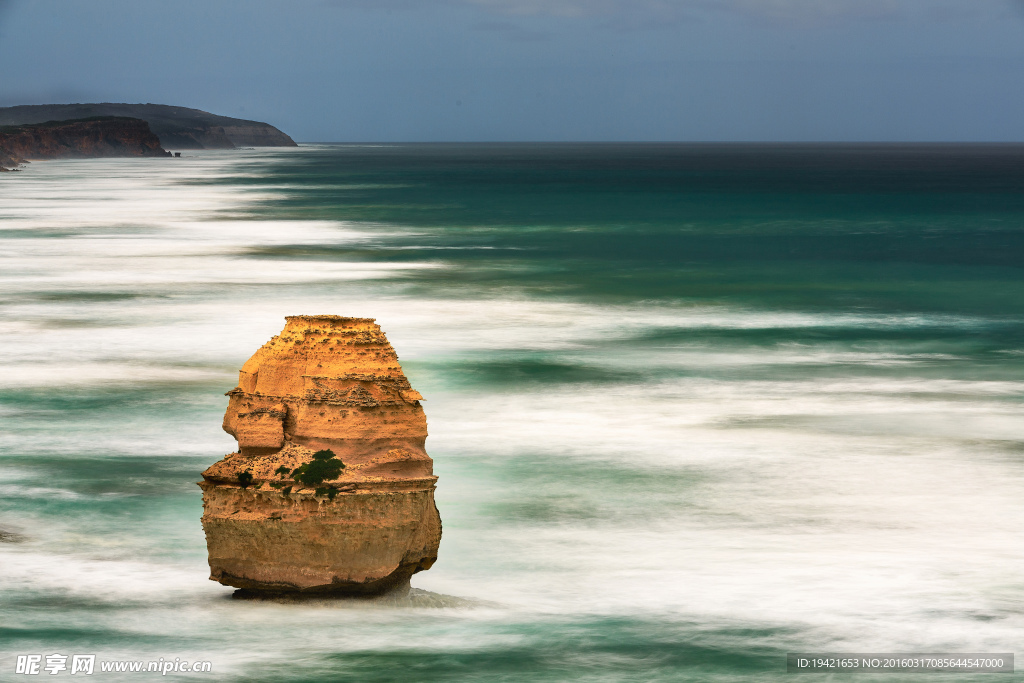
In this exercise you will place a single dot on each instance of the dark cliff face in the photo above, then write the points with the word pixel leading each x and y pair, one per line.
pixel 79 139
pixel 177 127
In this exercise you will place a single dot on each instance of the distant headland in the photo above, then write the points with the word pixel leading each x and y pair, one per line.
pixel 100 136
pixel 177 127
pixel 50 131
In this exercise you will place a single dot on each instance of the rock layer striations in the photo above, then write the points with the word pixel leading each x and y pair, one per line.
pixel 331 489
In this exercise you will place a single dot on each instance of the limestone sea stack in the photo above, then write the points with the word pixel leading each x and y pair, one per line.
pixel 331 490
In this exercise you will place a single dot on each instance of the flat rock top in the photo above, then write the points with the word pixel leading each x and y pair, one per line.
pixel 332 318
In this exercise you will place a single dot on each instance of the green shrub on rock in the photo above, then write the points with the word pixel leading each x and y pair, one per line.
pixel 324 466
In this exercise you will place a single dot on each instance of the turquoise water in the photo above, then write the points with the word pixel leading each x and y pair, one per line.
pixel 692 407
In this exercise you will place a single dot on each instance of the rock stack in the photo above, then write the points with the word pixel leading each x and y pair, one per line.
pixel 331 490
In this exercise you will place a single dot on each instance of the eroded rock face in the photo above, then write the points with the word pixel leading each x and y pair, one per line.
pixel 78 139
pixel 282 514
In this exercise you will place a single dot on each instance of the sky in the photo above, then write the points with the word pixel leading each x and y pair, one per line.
pixel 539 70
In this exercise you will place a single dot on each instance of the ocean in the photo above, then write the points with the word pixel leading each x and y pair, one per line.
pixel 692 407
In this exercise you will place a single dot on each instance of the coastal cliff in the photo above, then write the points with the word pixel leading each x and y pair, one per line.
pixel 331 490
pixel 177 127
pixel 84 138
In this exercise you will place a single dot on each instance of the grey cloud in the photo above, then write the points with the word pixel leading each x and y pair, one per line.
pixel 646 13
pixel 4 6
pixel 513 31
pixel 584 8
pixel 793 10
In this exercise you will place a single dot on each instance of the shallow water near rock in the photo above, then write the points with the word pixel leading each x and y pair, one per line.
pixel 414 598
pixel 691 407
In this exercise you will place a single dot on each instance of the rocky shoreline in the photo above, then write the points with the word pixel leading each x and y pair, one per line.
pixel 177 127
pixel 106 136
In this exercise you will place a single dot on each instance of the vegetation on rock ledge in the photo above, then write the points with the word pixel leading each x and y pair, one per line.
pixel 324 466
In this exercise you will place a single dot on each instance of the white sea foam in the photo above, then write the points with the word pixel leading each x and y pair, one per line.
pixel 876 509
pixel 864 537
pixel 77 374
pixel 103 580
